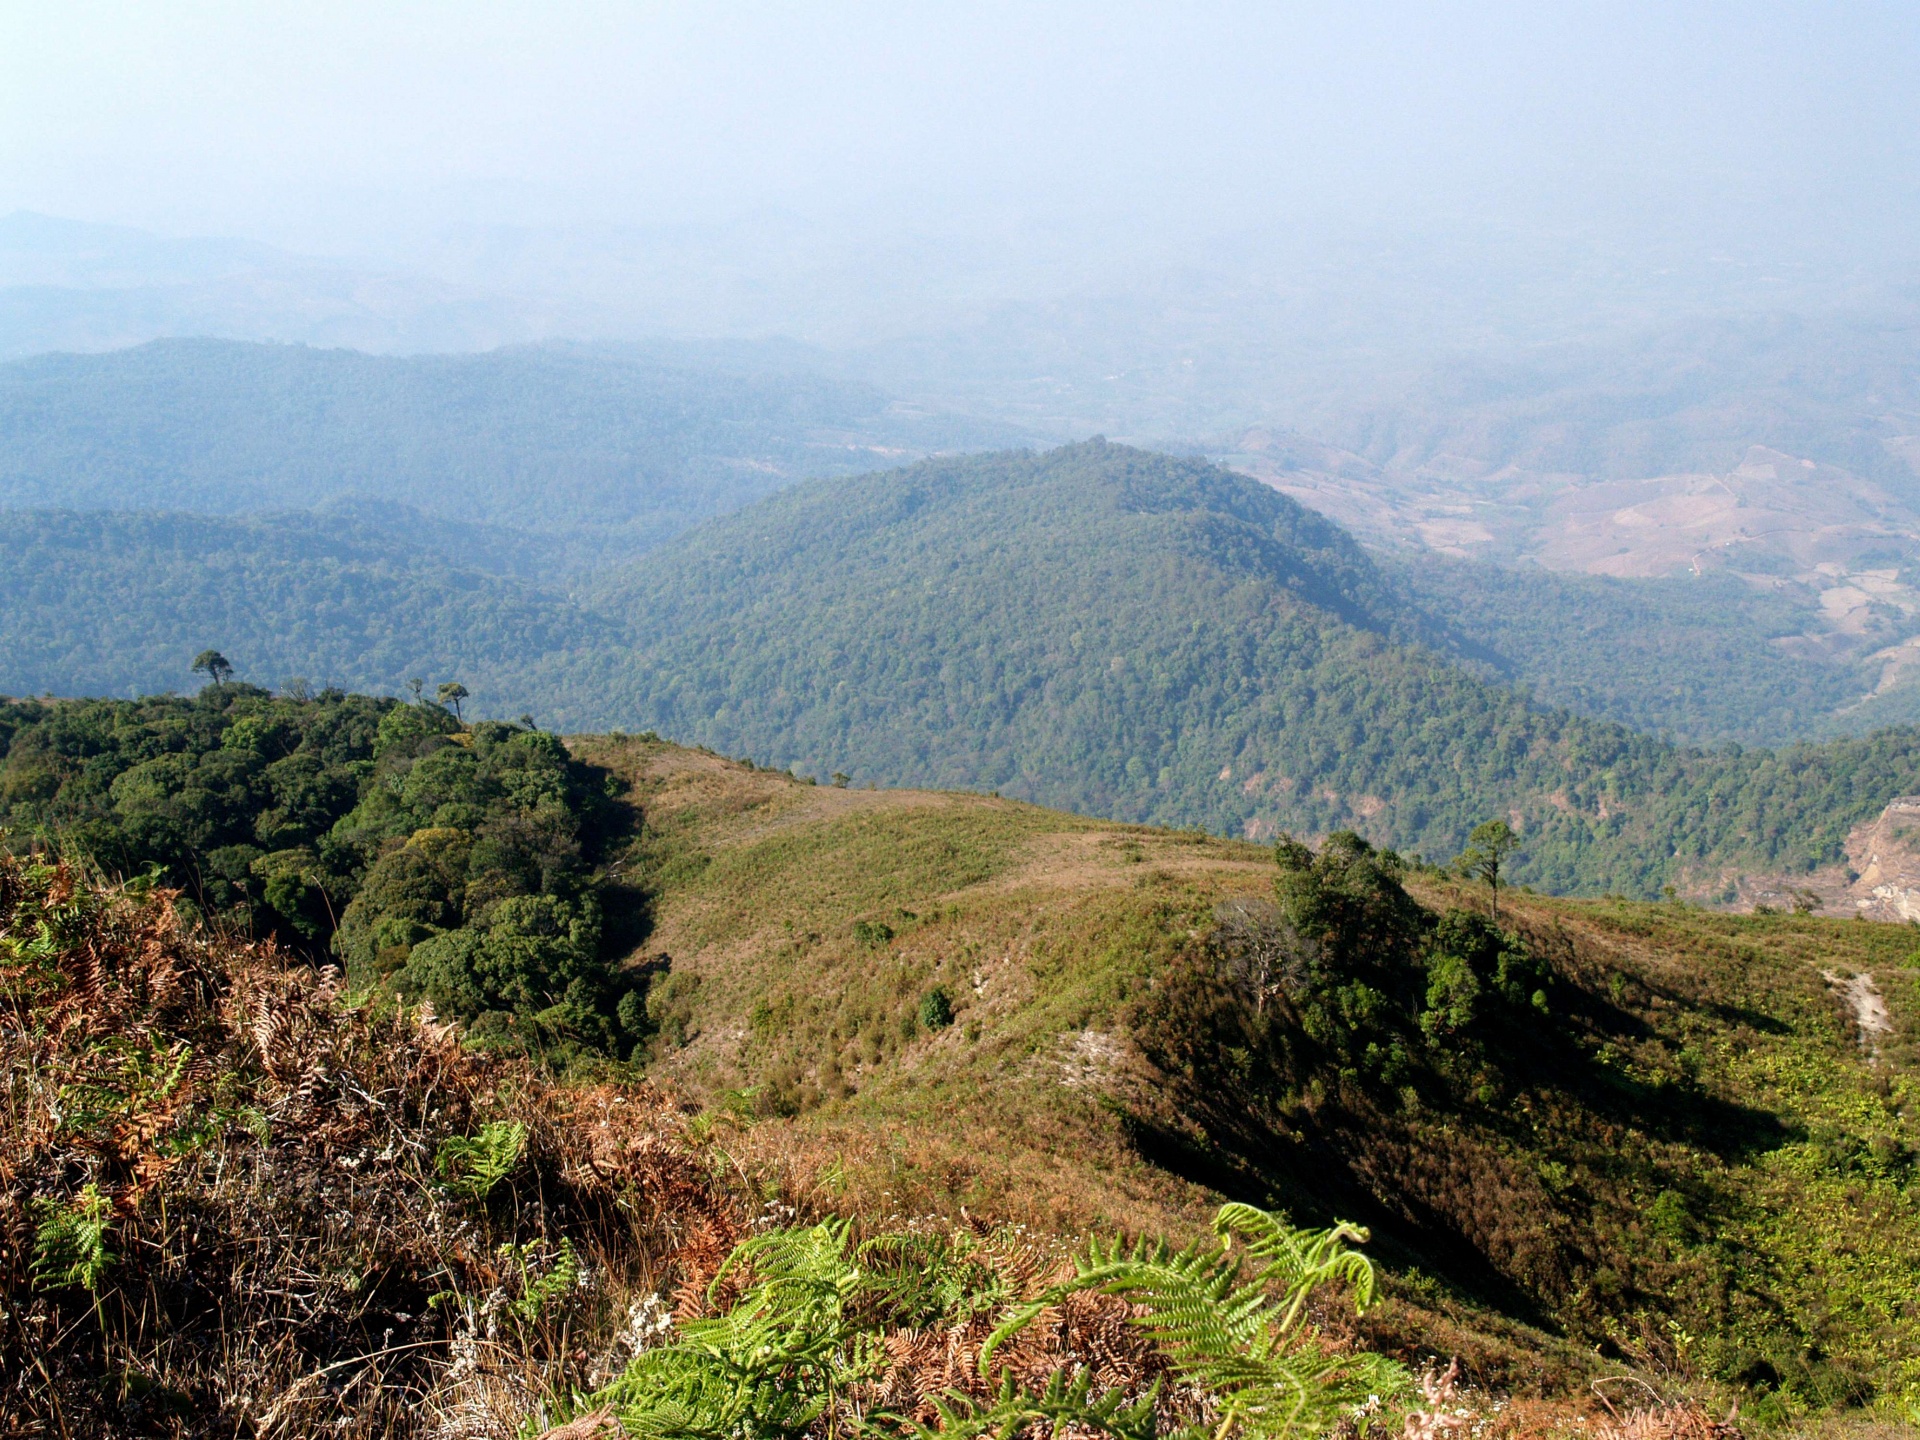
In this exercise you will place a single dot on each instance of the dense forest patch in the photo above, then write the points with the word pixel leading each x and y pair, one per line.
pixel 452 863
pixel 360 597
pixel 1696 657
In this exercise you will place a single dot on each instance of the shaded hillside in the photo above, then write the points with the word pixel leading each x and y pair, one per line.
pixel 1155 639
pixel 597 451
pixel 1705 659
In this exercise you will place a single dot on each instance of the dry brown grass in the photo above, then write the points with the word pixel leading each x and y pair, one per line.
pixel 287 1257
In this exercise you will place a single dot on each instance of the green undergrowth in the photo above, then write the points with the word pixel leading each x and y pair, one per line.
pixel 1823 1222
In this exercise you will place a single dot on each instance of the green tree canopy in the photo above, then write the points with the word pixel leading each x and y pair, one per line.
pixel 213 665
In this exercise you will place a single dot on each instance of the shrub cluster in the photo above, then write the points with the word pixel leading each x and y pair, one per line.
pixel 476 891
pixel 1343 971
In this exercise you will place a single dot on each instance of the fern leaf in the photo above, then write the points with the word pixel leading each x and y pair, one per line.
pixel 770 1365
pixel 1064 1403
pixel 70 1245
pixel 471 1167
pixel 1237 1341
pixel 1299 1261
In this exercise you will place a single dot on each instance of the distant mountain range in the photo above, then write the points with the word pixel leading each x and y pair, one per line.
pixel 73 285
pixel 700 541
pixel 1782 452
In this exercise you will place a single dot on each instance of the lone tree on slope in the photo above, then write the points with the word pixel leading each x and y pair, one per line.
pixel 1488 845
pixel 213 665
pixel 451 693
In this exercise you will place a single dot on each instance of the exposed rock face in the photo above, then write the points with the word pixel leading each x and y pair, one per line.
pixel 1880 881
pixel 1886 856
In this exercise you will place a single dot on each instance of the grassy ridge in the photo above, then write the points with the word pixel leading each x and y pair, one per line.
pixel 1676 1164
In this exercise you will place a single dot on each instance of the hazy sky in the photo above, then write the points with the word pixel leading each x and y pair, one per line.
pixel 346 126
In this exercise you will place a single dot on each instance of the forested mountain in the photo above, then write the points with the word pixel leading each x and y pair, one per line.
pixel 1131 635
pixel 104 603
pixel 587 454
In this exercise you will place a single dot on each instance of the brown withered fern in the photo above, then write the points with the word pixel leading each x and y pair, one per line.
pixel 225 1210
pixel 220 1212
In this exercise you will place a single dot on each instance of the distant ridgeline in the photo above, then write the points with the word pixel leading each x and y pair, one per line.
pixel 1155 639
pixel 537 459
pixel 112 602
pixel 1096 628
pixel 453 863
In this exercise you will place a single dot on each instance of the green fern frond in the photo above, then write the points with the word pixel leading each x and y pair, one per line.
pixel 1299 1261
pixel 917 1280
pixel 803 1275
pixel 1062 1404
pixel 771 1365
pixel 537 1292
pixel 1246 1349
pixel 70 1245
pixel 809 1323
pixel 471 1167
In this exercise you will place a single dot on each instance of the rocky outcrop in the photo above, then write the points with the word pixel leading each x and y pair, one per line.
pixel 1880 880
pixel 1885 856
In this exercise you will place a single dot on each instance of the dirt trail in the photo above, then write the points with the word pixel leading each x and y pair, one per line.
pixel 1869 1006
